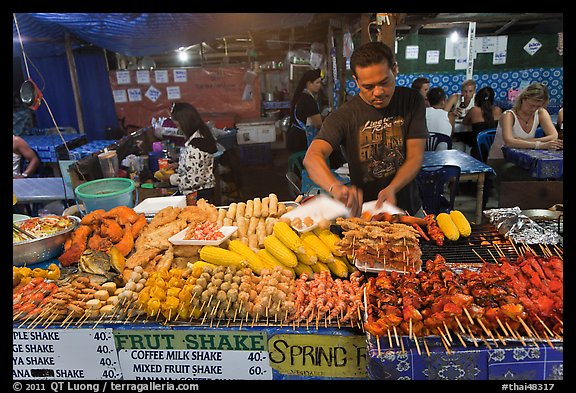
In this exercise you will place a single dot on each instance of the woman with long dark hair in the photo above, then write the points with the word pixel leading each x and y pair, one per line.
pixel 195 172
pixel 482 116
pixel 304 111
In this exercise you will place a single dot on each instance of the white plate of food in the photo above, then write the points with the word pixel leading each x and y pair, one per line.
pixel 180 239
pixel 151 206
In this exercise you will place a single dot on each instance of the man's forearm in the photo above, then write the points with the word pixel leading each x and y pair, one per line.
pixel 318 170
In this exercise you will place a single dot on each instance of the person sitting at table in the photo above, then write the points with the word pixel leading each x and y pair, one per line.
pixel 517 128
pixel 195 171
pixel 560 123
pixel 483 116
pixel 437 119
pixel 461 103
pixel 422 84
pixel 22 150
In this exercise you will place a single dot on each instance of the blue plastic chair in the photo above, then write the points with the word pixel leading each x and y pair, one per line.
pixel 435 138
pixel 484 141
pixel 432 182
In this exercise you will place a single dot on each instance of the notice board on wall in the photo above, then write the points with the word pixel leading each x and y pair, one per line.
pixel 140 95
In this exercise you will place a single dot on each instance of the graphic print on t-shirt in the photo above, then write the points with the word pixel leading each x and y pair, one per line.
pixel 380 144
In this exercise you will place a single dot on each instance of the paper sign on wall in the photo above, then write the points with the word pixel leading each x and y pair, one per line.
pixel 143 77
pixel 460 64
pixel 120 96
pixel 411 52
pixel 153 93
pixel 173 92
pixel 161 76
pixel 180 75
pixel 499 58
pixel 134 95
pixel 123 77
pixel 532 46
pixel 432 57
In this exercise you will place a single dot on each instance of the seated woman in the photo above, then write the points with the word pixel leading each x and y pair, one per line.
pixel 517 128
pixel 482 116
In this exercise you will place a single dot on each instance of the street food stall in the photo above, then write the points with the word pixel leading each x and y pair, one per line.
pixel 273 290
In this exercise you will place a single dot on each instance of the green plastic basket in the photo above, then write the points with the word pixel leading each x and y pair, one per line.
pixel 106 193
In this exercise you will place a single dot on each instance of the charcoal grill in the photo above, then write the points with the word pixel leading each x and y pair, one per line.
pixel 485 240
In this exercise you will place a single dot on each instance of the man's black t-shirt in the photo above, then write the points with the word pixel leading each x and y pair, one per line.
pixel 374 141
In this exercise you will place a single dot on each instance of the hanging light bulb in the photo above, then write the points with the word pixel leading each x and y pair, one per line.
pixel 454 36
pixel 182 54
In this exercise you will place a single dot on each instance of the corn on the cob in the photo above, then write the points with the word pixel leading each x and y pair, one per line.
pixel 319 267
pixel 254 262
pixel 286 235
pixel 338 268
pixel 309 257
pixel 311 240
pixel 222 257
pixel 461 223
pixel 329 239
pixel 280 251
pixel 301 268
pixel 198 267
pixel 271 260
pixel 447 226
pixel 349 264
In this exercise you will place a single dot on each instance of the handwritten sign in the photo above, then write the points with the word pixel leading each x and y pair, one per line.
pixel 120 96
pixel 153 94
pixel 173 92
pixel 123 77
pixel 143 77
pixel 134 95
pixel 195 355
pixel 499 58
pixel 64 354
pixel 180 75
pixel 318 355
pixel 411 52
pixel 432 57
pixel 532 46
pixel 161 76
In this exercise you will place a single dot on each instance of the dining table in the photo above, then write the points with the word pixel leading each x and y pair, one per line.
pixel 470 169
pixel 540 163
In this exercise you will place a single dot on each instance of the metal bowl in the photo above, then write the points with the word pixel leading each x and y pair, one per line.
pixel 32 251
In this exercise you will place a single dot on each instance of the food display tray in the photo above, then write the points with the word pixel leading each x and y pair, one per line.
pixel 178 239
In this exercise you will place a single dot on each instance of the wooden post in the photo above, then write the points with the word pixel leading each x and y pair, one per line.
pixel 75 86
pixel 364 26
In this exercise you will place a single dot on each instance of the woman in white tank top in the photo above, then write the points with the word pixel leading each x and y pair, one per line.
pixel 517 128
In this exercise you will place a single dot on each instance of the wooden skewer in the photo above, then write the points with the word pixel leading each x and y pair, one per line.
pixel 468 315
pixel 502 326
pixel 493 257
pixel 378 344
pixel 482 259
pixel 396 335
pixel 473 338
pixel 426 346
pixel 390 338
pixel 461 339
pixel 402 345
pixel 487 331
pixel 410 332
pixel 68 317
pixel 459 324
pixel 417 345
pixel 447 332
pixel 444 342
pixel 514 247
pixel 485 341
pixel 530 334
pixel 498 250
pixel 559 320
pixel 50 322
pixel 543 324
pixel 548 339
pixel 442 335
pixel 100 319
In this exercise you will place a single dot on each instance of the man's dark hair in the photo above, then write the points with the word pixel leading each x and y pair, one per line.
pixel 371 53
pixel 418 82
pixel 435 95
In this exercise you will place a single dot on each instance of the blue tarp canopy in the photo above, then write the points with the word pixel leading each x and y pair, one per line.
pixel 139 34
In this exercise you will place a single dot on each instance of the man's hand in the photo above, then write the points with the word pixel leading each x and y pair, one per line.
pixel 351 196
pixel 386 194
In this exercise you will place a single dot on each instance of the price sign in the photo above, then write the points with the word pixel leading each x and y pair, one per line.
pixel 64 354
pixel 193 355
